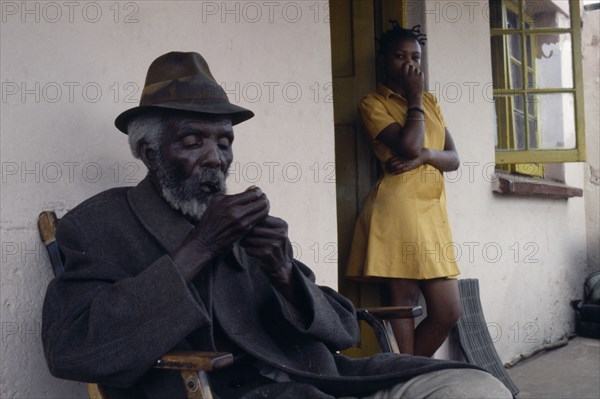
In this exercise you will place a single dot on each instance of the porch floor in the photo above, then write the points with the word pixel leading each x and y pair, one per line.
pixel 572 371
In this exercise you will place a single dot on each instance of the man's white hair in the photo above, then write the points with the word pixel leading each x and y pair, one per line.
pixel 148 128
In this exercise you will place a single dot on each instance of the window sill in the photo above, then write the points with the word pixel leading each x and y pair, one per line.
pixel 513 184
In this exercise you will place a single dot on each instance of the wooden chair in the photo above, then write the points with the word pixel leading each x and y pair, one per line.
pixel 193 365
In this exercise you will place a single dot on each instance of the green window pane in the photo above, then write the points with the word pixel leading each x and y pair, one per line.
pixel 516 77
pixel 553 60
pixel 518 103
pixel 530 51
pixel 548 13
pixel 531 81
pixel 533 134
pixel 503 18
pixel 512 20
pixel 514 46
pixel 556 120
pixel 510 122
pixel 519 130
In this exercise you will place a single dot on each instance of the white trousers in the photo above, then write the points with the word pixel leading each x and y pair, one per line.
pixel 447 384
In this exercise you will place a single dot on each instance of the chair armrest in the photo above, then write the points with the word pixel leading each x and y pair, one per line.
pixel 193 360
pixel 390 312
pixel 47 222
pixel 193 367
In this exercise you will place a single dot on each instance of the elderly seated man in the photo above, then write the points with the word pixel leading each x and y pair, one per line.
pixel 175 263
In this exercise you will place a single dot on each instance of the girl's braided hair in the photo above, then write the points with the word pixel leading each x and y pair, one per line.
pixel 397 32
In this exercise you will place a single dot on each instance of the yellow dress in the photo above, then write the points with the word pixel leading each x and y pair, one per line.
pixel 403 229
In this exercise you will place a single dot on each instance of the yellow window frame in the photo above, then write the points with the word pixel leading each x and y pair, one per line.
pixel 529 155
pixel 506 106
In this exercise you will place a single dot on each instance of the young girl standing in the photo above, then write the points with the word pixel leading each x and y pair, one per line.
pixel 402 235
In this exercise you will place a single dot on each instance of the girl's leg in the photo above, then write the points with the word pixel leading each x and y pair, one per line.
pixel 403 292
pixel 443 311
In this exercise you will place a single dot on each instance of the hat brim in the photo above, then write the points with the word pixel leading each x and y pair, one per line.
pixel 238 114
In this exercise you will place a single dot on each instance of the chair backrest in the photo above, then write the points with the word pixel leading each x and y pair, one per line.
pixel 47 224
pixel 474 337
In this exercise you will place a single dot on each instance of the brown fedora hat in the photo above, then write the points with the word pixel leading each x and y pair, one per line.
pixel 183 82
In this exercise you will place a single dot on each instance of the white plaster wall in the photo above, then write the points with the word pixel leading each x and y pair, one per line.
pixel 591 68
pixel 59 146
pixel 529 254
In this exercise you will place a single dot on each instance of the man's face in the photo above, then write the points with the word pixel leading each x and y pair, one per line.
pixel 195 155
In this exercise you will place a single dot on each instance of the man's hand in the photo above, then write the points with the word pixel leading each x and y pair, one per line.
pixel 268 241
pixel 227 219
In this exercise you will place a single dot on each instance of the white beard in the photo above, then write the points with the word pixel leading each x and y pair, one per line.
pixel 184 195
pixel 193 208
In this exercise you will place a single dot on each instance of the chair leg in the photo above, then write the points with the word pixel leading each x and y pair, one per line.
pixel 384 320
pixel 94 392
pixel 402 334
pixel 390 336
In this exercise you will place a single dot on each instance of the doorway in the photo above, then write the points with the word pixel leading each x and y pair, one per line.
pixel 354 26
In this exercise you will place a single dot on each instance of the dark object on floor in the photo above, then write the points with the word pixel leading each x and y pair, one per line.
pixel 475 340
pixel 587 312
